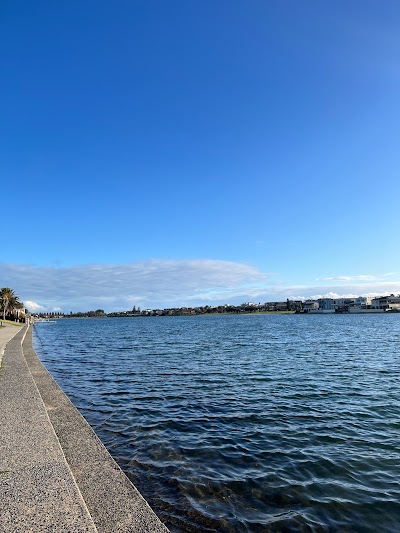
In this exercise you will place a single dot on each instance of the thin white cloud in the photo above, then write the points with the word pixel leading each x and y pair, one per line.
pixel 169 283
pixel 152 283
pixel 349 278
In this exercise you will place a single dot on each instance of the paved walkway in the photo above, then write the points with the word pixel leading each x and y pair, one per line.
pixel 37 490
pixel 6 334
pixel 55 475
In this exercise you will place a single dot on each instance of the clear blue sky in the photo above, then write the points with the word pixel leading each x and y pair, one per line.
pixel 180 152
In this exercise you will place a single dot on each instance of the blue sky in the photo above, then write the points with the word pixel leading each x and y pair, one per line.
pixel 180 153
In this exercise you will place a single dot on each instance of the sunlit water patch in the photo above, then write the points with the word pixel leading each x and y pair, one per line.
pixel 244 423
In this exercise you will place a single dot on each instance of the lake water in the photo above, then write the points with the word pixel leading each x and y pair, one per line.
pixel 244 423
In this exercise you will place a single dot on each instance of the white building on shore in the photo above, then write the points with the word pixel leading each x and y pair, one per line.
pixel 360 304
pixel 386 303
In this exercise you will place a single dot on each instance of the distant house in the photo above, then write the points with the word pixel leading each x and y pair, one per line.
pixel 276 306
pixel 325 304
pixel 342 305
pixel 310 305
pixel 362 301
pixel 387 303
pixel 295 305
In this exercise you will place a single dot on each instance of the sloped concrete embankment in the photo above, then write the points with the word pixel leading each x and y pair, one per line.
pixel 55 474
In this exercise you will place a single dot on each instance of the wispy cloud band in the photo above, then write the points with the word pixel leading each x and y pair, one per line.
pixel 170 283
pixel 146 283
pixel 361 277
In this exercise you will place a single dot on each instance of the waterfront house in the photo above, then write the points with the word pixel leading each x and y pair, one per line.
pixel 310 305
pixel 387 303
pixel 325 304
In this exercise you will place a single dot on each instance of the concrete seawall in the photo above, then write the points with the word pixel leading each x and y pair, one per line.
pixel 55 474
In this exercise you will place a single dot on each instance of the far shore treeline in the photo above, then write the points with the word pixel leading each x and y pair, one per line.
pixel 12 308
pixel 383 303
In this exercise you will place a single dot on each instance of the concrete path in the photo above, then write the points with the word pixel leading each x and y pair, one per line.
pixel 6 334
pixel 55 475
pixel 37 490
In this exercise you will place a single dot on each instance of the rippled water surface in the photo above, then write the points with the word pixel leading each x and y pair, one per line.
pixel 244 423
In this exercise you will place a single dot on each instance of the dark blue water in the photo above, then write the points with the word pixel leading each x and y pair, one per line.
pixel 244 423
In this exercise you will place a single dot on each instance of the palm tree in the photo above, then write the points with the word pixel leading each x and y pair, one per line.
pixel 18 306
pixel 9 301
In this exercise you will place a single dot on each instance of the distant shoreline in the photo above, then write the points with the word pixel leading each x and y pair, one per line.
pixel 358 305
pixel 256 313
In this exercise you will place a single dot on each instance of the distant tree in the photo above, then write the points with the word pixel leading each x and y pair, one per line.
pixel 9 301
